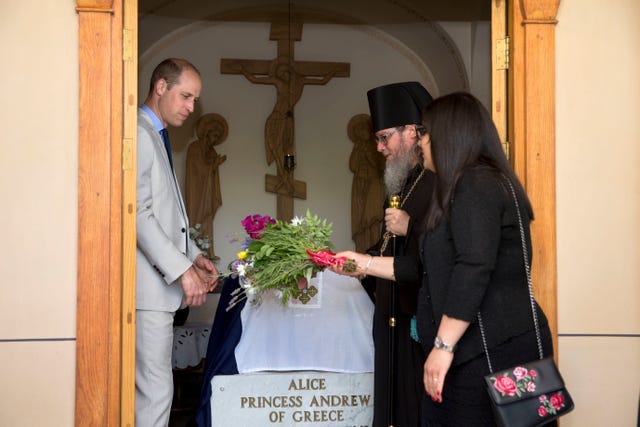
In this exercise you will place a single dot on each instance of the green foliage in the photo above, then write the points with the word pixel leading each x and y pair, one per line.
pixel 279 258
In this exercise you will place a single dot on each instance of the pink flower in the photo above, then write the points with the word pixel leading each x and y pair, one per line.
pixel 533 374
pixel 302 283
pixel 520 372
pixel 542 411
pixel 254 224
pixel 543 398
pixel 556 401
pixel 505 385
pixel 531 386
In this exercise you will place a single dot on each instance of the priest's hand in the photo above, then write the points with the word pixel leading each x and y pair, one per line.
pixel 396 221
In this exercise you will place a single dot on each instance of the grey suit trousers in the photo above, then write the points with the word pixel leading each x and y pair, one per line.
pixel 154 374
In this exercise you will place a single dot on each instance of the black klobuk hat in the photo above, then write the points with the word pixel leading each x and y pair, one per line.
pixel 397 104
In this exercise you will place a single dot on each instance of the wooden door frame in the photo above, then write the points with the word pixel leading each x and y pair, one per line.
pixel 105 331
pixel 531 133
pixel 105 319
pixel 526 124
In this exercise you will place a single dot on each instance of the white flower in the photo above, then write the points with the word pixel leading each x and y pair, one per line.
pixel 241 269
pixel 296 221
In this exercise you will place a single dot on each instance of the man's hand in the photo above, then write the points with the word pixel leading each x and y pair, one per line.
pixel 207 272
pixel 195 289
pixel 396 221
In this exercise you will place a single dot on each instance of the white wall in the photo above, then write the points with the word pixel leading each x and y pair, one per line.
pixel 38 184
pixel 598 208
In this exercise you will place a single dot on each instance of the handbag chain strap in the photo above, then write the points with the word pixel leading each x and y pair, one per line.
pixel 525 254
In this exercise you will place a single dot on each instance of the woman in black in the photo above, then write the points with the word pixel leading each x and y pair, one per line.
pixel 471 261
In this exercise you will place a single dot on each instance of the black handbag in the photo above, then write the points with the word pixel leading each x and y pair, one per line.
pixel 533 393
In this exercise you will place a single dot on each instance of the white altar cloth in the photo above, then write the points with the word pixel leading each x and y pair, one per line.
pixel 332 333
pixel 190 344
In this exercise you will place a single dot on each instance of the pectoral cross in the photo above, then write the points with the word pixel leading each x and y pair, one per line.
pixel 289 77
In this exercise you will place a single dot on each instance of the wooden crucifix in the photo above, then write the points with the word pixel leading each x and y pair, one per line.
pixel 289 77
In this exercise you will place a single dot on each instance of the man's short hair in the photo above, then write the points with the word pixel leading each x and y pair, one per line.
pixel 170 70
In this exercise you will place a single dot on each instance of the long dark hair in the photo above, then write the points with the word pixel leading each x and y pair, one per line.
pixel 463 136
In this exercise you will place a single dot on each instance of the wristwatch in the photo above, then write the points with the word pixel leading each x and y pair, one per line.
pixel 441 345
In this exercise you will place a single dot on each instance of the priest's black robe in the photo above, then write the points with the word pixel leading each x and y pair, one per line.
pixel 408 357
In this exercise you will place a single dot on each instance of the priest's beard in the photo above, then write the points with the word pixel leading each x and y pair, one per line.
pixel 397 171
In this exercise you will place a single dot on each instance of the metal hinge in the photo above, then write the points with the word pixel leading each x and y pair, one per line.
pixel 502 54
pixel 127 154
pixel 506 146
pixel 127 45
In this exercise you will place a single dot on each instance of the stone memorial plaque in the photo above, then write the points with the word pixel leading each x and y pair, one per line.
pixel 298 398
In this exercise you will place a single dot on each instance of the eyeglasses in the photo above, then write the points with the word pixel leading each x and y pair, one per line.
pixel 384 139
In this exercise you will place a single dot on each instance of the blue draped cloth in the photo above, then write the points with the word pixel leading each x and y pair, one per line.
pixel 220 360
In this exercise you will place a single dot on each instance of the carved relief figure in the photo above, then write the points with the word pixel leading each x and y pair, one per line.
pixel 289 77
pixel 203 196
pixel 279 127
pixel 367 189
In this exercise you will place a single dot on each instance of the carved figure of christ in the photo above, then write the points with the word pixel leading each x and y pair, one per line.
pixel 289 78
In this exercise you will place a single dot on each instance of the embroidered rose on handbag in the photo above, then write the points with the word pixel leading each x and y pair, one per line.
pixel 552 405
pixel 520 380
pixel 505 385
pixel 520 372
pixel 557 401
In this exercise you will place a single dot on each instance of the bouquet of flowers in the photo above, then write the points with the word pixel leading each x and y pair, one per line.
pixel 282 256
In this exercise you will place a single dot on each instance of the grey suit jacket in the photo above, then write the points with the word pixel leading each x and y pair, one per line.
pixel 164 250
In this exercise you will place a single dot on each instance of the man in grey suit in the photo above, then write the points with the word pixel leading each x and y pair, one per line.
pixel 171 271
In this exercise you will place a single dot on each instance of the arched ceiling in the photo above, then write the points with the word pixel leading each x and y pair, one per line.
pixel 412 22
pixel 370 12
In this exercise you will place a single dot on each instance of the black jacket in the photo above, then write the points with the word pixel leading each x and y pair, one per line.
pixel 473 261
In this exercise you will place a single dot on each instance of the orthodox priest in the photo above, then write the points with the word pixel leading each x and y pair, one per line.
pixel 396 113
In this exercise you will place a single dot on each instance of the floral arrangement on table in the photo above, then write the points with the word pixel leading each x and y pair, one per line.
pixel 282 256
pixel 201 240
